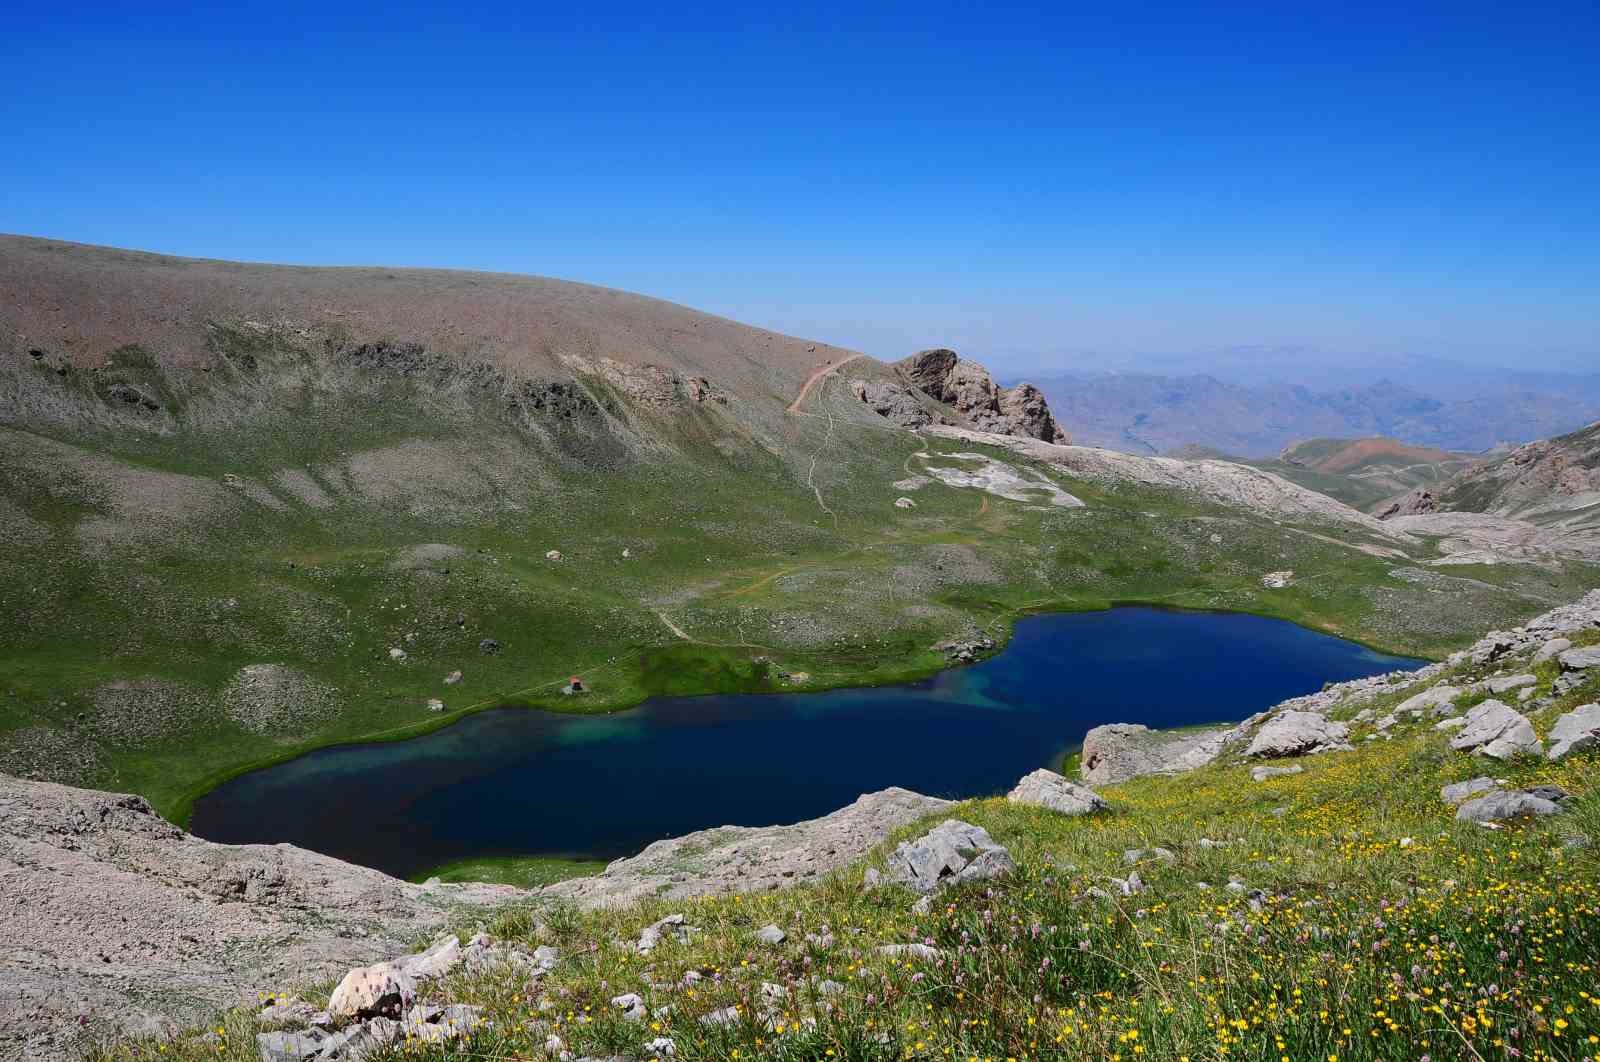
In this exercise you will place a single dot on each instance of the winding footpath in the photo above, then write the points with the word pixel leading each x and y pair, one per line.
pixel 817 377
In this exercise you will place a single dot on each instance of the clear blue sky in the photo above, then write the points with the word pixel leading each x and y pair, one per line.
pixel 1060 182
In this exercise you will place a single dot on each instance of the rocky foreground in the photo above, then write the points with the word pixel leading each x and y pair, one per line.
pixel 113 921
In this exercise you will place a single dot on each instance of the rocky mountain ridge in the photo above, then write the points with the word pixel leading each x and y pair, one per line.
pixel 1553 483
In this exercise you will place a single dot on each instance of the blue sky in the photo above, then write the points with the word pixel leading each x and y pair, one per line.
pixel 1044 185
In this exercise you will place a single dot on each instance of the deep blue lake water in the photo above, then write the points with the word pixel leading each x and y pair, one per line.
pixel 524 782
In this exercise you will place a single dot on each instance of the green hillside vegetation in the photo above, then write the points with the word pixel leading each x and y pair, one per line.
pixel 224 581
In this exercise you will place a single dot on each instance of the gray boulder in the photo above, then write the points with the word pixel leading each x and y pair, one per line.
pixel 1496 730
pixel 1549 650
pixel 1497 807
pixel 1575 731
pixel 381 990
pixel 1460 792
pixel 1047 789
pixel 951 853
pixel 1436 700
pixel 1506 683
pixel 1295 733
pixel 439 958
pixel 1261 774
pixel 1580 659
pixel 288 1046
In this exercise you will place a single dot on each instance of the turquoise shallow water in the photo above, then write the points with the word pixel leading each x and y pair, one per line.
pixel 520 782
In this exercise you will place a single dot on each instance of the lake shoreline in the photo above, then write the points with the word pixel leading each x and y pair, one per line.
pixel 1020 708
pixel 180 811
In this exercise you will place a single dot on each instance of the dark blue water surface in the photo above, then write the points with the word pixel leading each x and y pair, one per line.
pixel 524 782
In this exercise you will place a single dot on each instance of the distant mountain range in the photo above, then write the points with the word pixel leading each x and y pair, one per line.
pixel 1151 414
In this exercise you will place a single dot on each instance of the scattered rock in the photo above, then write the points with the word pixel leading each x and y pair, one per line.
pixel 725 1016
pixel 1575 731
pixel 552 555
pixel 1454 723
pixel 771 935
pixel 452 678
pixel 1277 580
pixel 1436 700
pixel 904 503
pixel 1499 806
pixel 950 853
pixel 925 952
pixel 1497 730
pixel 1134 856
pixel 652 933
pixel 1261 774
pixel 288 1046
pixel 382 989
pixel 435 704
pixel 1506 683
pixel 489 645
pixel 1459 792
pixel 397 653
pixel 1296 733
pixel 1132 885
pixel 632 1006
pixel 438 959
pixel 1047 789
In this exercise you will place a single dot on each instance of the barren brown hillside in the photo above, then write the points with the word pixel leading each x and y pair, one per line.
pixel 76 302
pixel 1363 451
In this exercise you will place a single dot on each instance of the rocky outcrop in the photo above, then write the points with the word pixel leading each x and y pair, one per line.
pixel 1026 411
pixel 951 853
pixel 114 920
pixel 1548 482
pixel 652 385
pixel 891 401
pixel 1498 731
pixel 1221 481
pixel 1047 789
pixel 1488 538
pixel 1116 752
pixel 749 859
pixel 967 387
pixel 1414 503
